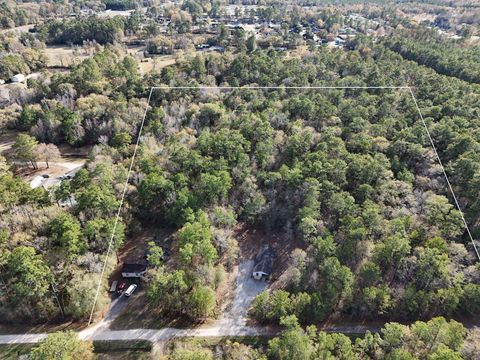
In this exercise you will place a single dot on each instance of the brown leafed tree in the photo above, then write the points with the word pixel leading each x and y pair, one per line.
pixel 47 152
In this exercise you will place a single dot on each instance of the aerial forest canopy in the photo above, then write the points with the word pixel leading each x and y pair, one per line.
pixel 349 172
pixel 447 57
pixel 121 4
pixel 348 175
pixel 292 179
pixel 76 31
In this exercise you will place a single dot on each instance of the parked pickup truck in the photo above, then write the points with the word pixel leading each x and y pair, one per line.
pixel 113 287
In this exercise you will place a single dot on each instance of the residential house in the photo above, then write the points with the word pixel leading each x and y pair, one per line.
pixel 134 270
pixel 263 264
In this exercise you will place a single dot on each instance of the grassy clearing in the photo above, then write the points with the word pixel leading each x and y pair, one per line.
pixel 156 63
pixel 209 342
pixel 12 352
pixel 123 350
pixel 66 56
pixel 104 350
pixel 124 355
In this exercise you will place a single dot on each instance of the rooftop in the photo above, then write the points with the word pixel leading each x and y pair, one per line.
pixel 264 262
pixel 134 267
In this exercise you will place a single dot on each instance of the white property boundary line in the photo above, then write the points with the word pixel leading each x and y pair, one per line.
pixel 267 88
pixel 444 173
pixel 109 249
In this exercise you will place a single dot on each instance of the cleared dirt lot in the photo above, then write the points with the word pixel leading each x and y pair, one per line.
pixel 70 161
pixel 253 241
pixel 66 56
pixel 156 63
pixel 64 166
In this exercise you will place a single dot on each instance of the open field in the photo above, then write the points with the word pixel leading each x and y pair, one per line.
pixel 66 56
pixel 156 63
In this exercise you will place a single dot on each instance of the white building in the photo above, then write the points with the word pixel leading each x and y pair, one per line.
pixel 37 181
pixel 263 264
pixel 19 78
pixel 133 270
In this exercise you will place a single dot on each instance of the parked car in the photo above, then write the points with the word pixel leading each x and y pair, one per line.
pixel 121 287
pixel 131 289
pixel 113 287
pixel 45 176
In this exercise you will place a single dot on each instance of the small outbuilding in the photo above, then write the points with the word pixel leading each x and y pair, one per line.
pixel 133 270
pixel 263 264
pixel 19 78
pixel 37 181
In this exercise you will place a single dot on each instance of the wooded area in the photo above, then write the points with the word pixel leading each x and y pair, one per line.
pixel 349 172
pixel 347 178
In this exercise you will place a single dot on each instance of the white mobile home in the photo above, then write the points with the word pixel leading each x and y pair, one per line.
pixel 133 270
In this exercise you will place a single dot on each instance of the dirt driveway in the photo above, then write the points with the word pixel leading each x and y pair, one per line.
pixel 71 160
pixel 245 291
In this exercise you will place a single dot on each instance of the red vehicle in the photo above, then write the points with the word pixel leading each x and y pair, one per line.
pixel 121 287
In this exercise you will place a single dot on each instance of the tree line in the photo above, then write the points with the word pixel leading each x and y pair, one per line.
pixel 444 56
pixel 103 30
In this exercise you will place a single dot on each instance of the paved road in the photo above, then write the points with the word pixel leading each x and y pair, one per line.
pixel 156 335
pixel 101 332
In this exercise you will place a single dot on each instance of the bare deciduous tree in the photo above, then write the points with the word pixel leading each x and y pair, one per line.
pixel 47 152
